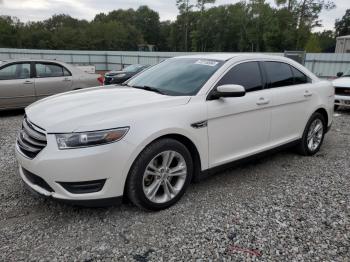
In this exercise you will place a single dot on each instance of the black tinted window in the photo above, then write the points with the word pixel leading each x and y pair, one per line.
pixel 15 71
pixel 49 70
pixel 299 77
pixel 279 74
pixel 246 74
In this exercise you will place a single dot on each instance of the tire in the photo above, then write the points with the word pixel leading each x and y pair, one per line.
pixel 336 107
pixel 304 147
pixel 141 179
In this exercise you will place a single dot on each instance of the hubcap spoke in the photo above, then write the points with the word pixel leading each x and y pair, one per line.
pixel 167 159
pixel 317 128
pixel 167 190
pixel 151 173
pixel 154 189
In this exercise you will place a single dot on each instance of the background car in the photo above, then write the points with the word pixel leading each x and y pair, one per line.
pixel 118 77
pixel 23 82
pixel 342 89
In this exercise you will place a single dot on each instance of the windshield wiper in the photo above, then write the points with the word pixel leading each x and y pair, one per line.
pixel 149 88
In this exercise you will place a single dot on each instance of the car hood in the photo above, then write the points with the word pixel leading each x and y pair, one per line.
pixel 113 73
pixel 97 108
pixel 342 82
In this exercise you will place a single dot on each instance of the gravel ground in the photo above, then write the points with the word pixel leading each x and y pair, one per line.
pixel 282 207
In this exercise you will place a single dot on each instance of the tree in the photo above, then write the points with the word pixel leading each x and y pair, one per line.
pixel 147 21
pixel 313 45
pixel 342 26
pixel 201 4
pixel 185 7
pixel 306 16
pixel 8 31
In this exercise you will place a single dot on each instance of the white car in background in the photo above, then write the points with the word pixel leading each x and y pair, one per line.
pixel 175 122
pixel 24 81
pixel 342 89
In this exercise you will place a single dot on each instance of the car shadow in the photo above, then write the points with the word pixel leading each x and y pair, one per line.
pixel 9 113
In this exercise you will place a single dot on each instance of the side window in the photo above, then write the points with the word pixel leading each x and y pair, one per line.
pixel 299 77
pixel 66 72
pixel 15 71
pixel 246 74
pixel 49 70
pixel 279 74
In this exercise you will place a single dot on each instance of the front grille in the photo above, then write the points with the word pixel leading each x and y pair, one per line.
pixel 37 180
pixel 30 141
pixel 108 80
pixel 342 91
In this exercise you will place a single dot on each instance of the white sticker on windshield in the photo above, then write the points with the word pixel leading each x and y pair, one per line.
pixel 206 62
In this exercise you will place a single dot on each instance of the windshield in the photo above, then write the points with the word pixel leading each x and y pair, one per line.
pixel 347 73
pixel 177 76
pixel 132 68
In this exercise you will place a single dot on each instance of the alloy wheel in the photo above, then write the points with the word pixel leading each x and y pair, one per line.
pixel 315 134
pixel 164 177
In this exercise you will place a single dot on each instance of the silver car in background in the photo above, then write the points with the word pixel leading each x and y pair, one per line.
pixel 25 81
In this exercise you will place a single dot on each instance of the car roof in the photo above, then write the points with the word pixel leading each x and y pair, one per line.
pixel 30 59
pixel 228 56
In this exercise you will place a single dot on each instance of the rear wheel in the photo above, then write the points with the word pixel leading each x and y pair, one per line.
pixel 160 175
pixel 313 135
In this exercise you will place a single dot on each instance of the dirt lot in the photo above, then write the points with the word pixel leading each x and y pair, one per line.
pixel 282 207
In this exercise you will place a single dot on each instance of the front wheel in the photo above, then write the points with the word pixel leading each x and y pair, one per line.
pixel 313 135
pixel 160 175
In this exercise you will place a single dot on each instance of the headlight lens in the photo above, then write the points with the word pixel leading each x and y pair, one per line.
pixel 87 139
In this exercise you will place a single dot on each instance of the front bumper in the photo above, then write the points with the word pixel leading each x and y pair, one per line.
pixel 55 167
pixel 342 100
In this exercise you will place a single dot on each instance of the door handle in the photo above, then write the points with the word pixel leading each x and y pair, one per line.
pixel 307 94
pixel 27 82
pixel 262 101
pixel 66 79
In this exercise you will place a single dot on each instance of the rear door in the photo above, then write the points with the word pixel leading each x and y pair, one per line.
pixel 51 78
pixel 292 91
pixel 16 85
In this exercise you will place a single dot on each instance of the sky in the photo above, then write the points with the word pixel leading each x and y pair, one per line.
pixel 35 10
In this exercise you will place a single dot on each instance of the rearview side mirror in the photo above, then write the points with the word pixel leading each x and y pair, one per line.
pixel 339 74
pixel 227 91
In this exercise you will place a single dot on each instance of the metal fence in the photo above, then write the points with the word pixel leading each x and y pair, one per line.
pixel 323 65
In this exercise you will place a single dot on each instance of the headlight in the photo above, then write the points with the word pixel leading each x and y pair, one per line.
pixel 120 75
pixel 86 139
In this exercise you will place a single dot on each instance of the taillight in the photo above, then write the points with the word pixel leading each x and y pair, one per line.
pixel 100 80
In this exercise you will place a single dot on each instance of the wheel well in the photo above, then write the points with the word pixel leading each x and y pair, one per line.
pixel 193 151
pixel 324 113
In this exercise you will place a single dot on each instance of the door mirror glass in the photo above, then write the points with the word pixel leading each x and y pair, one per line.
pixel 339 74
pixel 228 91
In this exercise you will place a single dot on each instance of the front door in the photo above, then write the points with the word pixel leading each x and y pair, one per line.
pixel 239 126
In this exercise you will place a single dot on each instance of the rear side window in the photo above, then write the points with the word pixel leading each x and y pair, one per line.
pixel 299 77
pixel 15 71
pixel 279 74
pixel 246 74
pixel 50 70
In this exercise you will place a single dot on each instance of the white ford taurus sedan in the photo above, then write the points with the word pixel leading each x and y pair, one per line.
pixel 173 123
